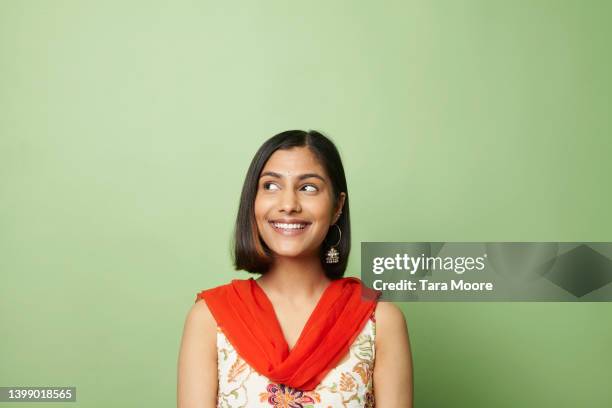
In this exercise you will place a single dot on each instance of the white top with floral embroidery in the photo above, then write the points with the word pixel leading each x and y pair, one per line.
pixel 348 385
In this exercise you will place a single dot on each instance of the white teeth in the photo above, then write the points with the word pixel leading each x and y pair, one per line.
pixel 288 226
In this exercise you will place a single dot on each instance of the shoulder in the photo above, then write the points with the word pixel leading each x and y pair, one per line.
pixel 200 312
pixel 200 316
pixel 213 305
pixel 390 320
pixel 200 321
pixel 389 312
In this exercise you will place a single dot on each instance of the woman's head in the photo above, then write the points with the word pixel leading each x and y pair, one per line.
pixel 294 190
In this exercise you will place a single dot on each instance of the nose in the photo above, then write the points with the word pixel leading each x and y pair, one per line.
pixel 290 201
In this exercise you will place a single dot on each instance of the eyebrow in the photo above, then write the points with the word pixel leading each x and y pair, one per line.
pixel 300 177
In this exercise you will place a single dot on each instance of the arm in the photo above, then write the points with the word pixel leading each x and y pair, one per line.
pixel 197 363
pixel 393 387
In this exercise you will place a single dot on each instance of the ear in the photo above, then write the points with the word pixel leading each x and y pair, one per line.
pixel 339 207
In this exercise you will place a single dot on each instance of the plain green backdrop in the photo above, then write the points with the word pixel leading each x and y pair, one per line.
pixel 126 129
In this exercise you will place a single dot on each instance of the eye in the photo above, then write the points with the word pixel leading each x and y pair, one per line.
pixel 313 188
pixel 267 184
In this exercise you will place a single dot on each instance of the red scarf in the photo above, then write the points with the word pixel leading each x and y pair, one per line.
pixel 245 314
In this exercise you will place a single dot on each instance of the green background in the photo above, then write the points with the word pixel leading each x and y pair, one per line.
pixel 126 129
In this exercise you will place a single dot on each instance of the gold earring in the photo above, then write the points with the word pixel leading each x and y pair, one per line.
pixel 332 255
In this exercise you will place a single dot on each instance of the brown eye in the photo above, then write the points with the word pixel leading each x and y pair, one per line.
pixel 313 188
pixel 268 184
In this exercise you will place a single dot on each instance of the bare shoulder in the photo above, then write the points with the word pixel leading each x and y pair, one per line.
pixel 200 329
pixel 389 318
pixel 200 315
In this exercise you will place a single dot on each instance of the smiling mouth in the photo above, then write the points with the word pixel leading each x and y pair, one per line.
pixel 289 228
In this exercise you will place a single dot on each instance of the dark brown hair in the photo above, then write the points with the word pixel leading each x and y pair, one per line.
pixel 250 252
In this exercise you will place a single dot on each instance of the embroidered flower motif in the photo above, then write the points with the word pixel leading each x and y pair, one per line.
pixel 282 396
pixel 237 368
pixel 347 383
pixel 363 348
pixel 364 370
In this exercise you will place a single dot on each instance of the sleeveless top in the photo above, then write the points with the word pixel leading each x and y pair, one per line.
pixel 349 384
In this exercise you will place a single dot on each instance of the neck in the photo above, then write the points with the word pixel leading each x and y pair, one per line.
pixel 295 277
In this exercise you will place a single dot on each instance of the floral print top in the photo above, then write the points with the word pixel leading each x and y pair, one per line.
pixel 348 385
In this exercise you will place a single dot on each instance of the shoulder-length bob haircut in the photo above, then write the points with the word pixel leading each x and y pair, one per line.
pixel 250 252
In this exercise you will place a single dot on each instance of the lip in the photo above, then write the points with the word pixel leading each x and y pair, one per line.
pixel 290 221
pixel 290 232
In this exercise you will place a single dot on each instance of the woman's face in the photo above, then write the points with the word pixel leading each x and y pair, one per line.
pixel 294 205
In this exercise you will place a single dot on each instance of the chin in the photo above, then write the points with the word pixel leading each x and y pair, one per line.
pixel 288 251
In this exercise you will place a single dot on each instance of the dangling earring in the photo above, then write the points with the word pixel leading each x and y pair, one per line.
pixel 332 255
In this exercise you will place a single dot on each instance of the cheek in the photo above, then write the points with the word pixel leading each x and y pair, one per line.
pixel 322 210
pixel 261 210
pixel 260 207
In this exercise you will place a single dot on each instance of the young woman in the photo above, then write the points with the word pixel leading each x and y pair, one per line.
pixel 301 334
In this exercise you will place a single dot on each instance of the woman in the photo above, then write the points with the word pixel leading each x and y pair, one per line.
pixel 301 334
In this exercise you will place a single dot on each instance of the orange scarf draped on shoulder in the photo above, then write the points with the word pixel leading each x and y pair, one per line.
pixel 245 315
